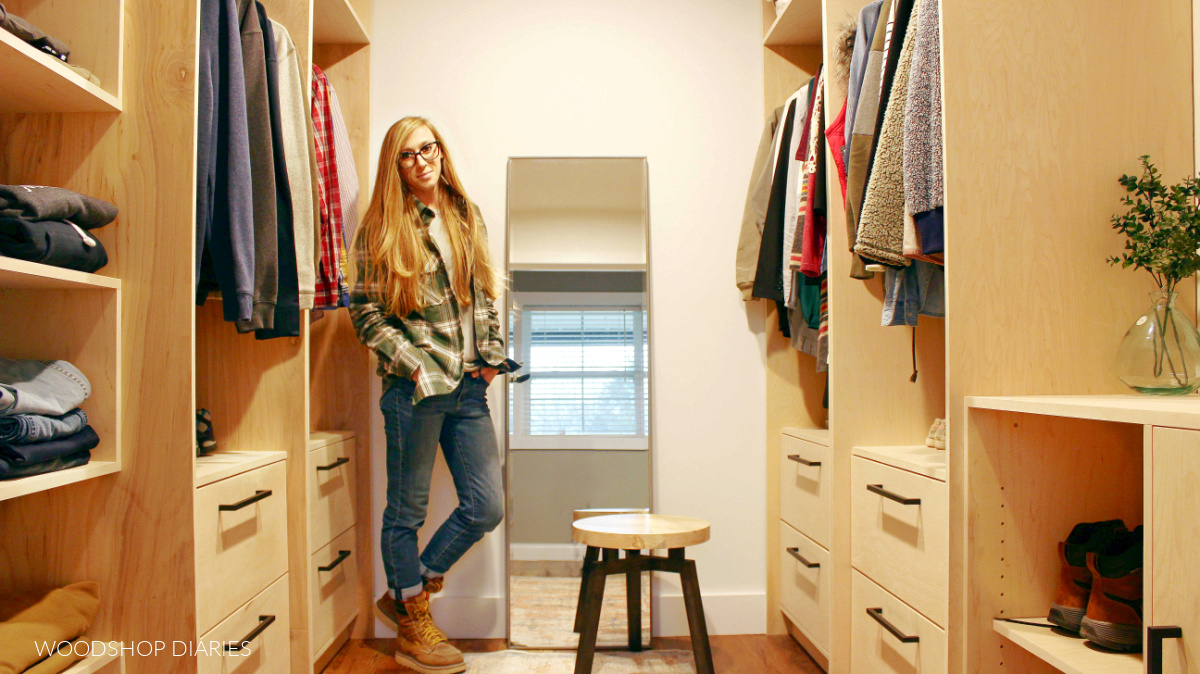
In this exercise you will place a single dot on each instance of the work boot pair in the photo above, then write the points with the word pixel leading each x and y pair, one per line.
pixel 420 645
pixel 1100 585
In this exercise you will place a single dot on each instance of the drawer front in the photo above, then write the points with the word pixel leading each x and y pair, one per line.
pixel 804 589
pixel 330 492
pixel 875 649
pixel 804 490
pixel 904 548
pixel 334 592
pixel 242 548
pixel 269 652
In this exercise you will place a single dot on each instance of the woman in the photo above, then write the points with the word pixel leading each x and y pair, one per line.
pixel 423 303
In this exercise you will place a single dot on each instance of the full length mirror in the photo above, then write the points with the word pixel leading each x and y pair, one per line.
pixel 579 431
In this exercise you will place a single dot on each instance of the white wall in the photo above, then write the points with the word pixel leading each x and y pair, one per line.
pixel 678 82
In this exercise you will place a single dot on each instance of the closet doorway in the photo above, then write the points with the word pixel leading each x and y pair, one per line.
pixel 579 432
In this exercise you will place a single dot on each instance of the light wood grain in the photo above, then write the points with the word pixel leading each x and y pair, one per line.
pixel 599 512
pixel 904 548
pixel 334 593
pixel 331 493
pixel 798 25
pixel 44 84
pixel 25 486
pixel 21 275
pixel 106 659
pixel 319 439
pixel 820 436
pixel 801 639
pixel 93 30
pixel 239 553
pixel 876 650
pixel 269 653
pixel 805 492
pixel 1181 411
pixel 640 532
pixel 917 459
pixel 1173 537
pixel 1068 653
pixel 804 591
pixel 220 465
pixel 1031 479
pixel 337 22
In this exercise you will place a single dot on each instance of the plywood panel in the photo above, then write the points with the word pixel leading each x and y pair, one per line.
pixel 92 29
pixel 1174 532
pixel 1031 479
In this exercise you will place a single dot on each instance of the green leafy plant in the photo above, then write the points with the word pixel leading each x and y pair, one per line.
pixel 1162 226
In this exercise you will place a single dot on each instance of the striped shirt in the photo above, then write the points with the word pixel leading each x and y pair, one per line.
pixel 429 339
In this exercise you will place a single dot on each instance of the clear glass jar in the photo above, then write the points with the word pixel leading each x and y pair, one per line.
pixel 1160 354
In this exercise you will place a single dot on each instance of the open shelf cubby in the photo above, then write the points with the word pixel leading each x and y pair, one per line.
pixel 1067 653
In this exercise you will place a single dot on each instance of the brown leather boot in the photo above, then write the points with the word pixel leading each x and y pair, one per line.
pixel 385 606
pixel 1114 614
pixel 1074 580
pixel 420 645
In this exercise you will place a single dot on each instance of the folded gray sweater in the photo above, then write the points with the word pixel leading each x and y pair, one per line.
pixel 37 202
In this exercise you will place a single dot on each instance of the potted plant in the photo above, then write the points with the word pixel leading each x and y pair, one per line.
pixel 1161 351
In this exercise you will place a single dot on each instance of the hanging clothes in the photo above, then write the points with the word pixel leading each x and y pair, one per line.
pixel 924 191
pixel 864 34
pixel 809 247
pixel 347 174
pixel 330 282
pixel 916 290
pixel 758 196
pixel 835 136
pixel 768 277
pixel 797 181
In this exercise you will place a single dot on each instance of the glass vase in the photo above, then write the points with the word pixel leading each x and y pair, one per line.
pixel 1160 354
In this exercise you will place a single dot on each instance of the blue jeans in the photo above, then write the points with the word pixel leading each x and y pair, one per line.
pixel 51 387
pixel 461 423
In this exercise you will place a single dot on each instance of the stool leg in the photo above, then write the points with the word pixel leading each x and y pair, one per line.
pixel 589 561
pixel 633 597
pixel 590 613
pixel 695 614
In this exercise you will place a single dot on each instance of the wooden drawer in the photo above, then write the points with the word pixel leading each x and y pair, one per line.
pixel 874 649
pixel 804 490
pixel 330 492
pixel 239 551
pixel 804 590
pixel 334 592
pixel 268 653
pixel 903 547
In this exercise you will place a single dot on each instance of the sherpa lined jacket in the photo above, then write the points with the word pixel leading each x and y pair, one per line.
pixel 430 338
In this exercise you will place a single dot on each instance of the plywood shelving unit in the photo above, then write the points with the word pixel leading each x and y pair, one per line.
pixel 111 661
pixel 337 22
pixel 1067 654
pixel 42 84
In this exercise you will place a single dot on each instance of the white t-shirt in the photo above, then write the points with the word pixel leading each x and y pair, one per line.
pixel 466 316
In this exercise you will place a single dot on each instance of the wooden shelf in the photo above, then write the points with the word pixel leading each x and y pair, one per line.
pixel 319 439
pixel 220 465
pixel 336 22
pixel 1072 655
pixel 818 435
pixel 799 25
pixel 31 485
pixel 95 663
pixel 917 459
pixel 21 275
pixel 1181 411
pixel 37 82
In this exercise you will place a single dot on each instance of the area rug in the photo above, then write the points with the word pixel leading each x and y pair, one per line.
pixel 536 662
pixel 543 612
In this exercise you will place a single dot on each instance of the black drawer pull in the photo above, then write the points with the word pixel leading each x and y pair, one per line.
pixel 258 496
pixel 343 555
pixel 795 552
pixel 340 462
pixel 803 462
pixel 264 621
pixel 877 614
pixel 878 489
pixel 1154 650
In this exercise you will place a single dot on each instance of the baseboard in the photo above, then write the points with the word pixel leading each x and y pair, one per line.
pixel 547 552
pixel 723 614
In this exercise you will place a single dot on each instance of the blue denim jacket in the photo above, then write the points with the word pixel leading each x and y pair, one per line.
pixel 52 387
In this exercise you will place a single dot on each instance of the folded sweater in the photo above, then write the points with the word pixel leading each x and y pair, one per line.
pixel 37 202
pixel 35 619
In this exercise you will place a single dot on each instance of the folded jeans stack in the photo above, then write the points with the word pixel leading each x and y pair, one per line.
pixel 32 622
pixel 47 225
pixel 41 428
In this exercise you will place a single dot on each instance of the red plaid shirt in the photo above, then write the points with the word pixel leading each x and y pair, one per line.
pixel 331 285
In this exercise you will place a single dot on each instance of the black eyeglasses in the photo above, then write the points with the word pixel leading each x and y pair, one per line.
pixel 429 152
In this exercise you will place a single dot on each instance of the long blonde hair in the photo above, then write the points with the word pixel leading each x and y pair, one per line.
pixel 389 239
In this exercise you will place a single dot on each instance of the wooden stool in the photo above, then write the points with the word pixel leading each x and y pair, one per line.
pixel 634 533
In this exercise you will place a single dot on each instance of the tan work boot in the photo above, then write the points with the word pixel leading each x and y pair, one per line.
pixel 420 645
pixel 385 606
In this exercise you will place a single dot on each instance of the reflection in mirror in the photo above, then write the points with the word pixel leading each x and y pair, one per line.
pixel 579 432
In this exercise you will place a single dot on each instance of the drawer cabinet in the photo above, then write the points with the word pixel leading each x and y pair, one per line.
pixel 241 540
pixel 900 534
pixel 887 636
pixel 804 487
pixel 330 492
pixel 805 574
pixel 333 587
pixel 260 631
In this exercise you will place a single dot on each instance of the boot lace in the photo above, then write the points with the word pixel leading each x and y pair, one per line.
pixel 423 622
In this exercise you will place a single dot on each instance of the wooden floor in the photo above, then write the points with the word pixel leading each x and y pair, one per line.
pixel 749 654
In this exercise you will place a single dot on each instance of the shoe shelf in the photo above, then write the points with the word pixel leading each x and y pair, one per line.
pixel 220 465
pixel 1178 412
pixel 919 459
pixel 111 661
pixel 798 25
pixel 21 275
pixel 336 22
pixel 1068 653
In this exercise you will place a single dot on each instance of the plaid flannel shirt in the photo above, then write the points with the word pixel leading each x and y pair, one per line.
pixel 430 338
pixel 330 280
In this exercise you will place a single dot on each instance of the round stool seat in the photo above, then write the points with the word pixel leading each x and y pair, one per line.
pixel 639 532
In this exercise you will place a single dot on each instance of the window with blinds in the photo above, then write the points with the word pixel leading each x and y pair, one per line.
pixel 587 386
